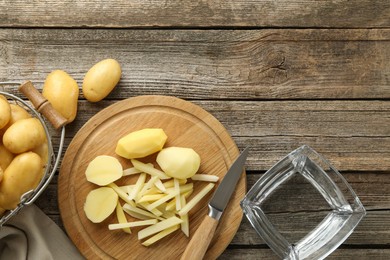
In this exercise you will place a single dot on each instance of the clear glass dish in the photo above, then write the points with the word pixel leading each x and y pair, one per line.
pixel 345 208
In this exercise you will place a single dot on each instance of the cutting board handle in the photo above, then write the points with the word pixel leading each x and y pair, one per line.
pixel 42 105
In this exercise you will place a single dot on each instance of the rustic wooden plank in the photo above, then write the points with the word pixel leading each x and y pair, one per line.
pixel 295 214
pixel 211 64
pixel 187 13
pixel 340 253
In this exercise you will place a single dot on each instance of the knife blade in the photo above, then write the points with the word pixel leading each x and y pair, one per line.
pixel 199 243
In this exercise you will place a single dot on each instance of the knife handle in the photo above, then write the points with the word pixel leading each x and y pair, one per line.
pixel 199 243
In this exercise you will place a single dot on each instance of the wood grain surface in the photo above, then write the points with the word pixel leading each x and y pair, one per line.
pixel 186 125
pixel 277 74
pixel 188 13
pixel 211 64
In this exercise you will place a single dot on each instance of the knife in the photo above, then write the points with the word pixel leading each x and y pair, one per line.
pixel 199 243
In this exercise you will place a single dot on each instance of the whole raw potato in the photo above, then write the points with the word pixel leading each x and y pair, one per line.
pixel 24 135
pixel 62 92
pixel 5 112
pixel 101 79
pixel 23 174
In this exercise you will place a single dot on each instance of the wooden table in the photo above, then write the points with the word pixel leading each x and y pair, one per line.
pixel 277 74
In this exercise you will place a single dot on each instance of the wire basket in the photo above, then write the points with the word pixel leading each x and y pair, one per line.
pixel 53 158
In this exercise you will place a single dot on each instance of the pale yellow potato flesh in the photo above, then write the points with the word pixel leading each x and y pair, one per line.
pixel 100 203
pixel 104 170
pixel 141 143
pixel 178 162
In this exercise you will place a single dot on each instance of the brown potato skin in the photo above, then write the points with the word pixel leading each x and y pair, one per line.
pixel 62 92
pixel 6 157
pixel 22 175
pixel 5 112
pixel 24 135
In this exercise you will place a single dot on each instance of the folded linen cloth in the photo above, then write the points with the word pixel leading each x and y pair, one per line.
pixel 33 235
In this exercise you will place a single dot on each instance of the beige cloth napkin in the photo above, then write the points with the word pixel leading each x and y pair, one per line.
pixel 33 235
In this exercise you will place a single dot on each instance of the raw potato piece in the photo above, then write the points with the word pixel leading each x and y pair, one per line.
pixel 104 170
pixel 178 162
pixel 141 143
pixel 120 215
pixel 100 204
pixel 173 221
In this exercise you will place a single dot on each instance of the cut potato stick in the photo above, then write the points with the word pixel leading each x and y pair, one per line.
pixel 160 185
pixel 138 186
pixel 205 177
pixel 185 225
pixel 151 230
pixel 183 188
pixel 126 188
pixel 139 211
pixel 168 214
pixel 148 198
pixel 172 204
pixel 160 235
pixel 120 215
pixel 137 215
pixel 196 199
pixel 132 224
pixel 170 184
pixel 148 185
pixel 177 197
pixel 149 170
pixel 155 211
pixel 131 171
pixel 153 190
pixel 161 201
pixel 123 195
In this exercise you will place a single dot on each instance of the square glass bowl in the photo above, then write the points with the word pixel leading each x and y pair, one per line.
pixel 345 208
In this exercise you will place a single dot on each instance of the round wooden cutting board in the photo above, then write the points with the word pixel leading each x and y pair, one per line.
pixel 186 125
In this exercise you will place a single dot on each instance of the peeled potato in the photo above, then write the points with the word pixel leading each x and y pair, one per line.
pixel 104 170
pixel 178 162
pixel 100 203
pixel 141 143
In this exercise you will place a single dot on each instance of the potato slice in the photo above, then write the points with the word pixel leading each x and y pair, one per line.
pixel 104 170
pixel 178 162
pixel 141 143
pixel 100 203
